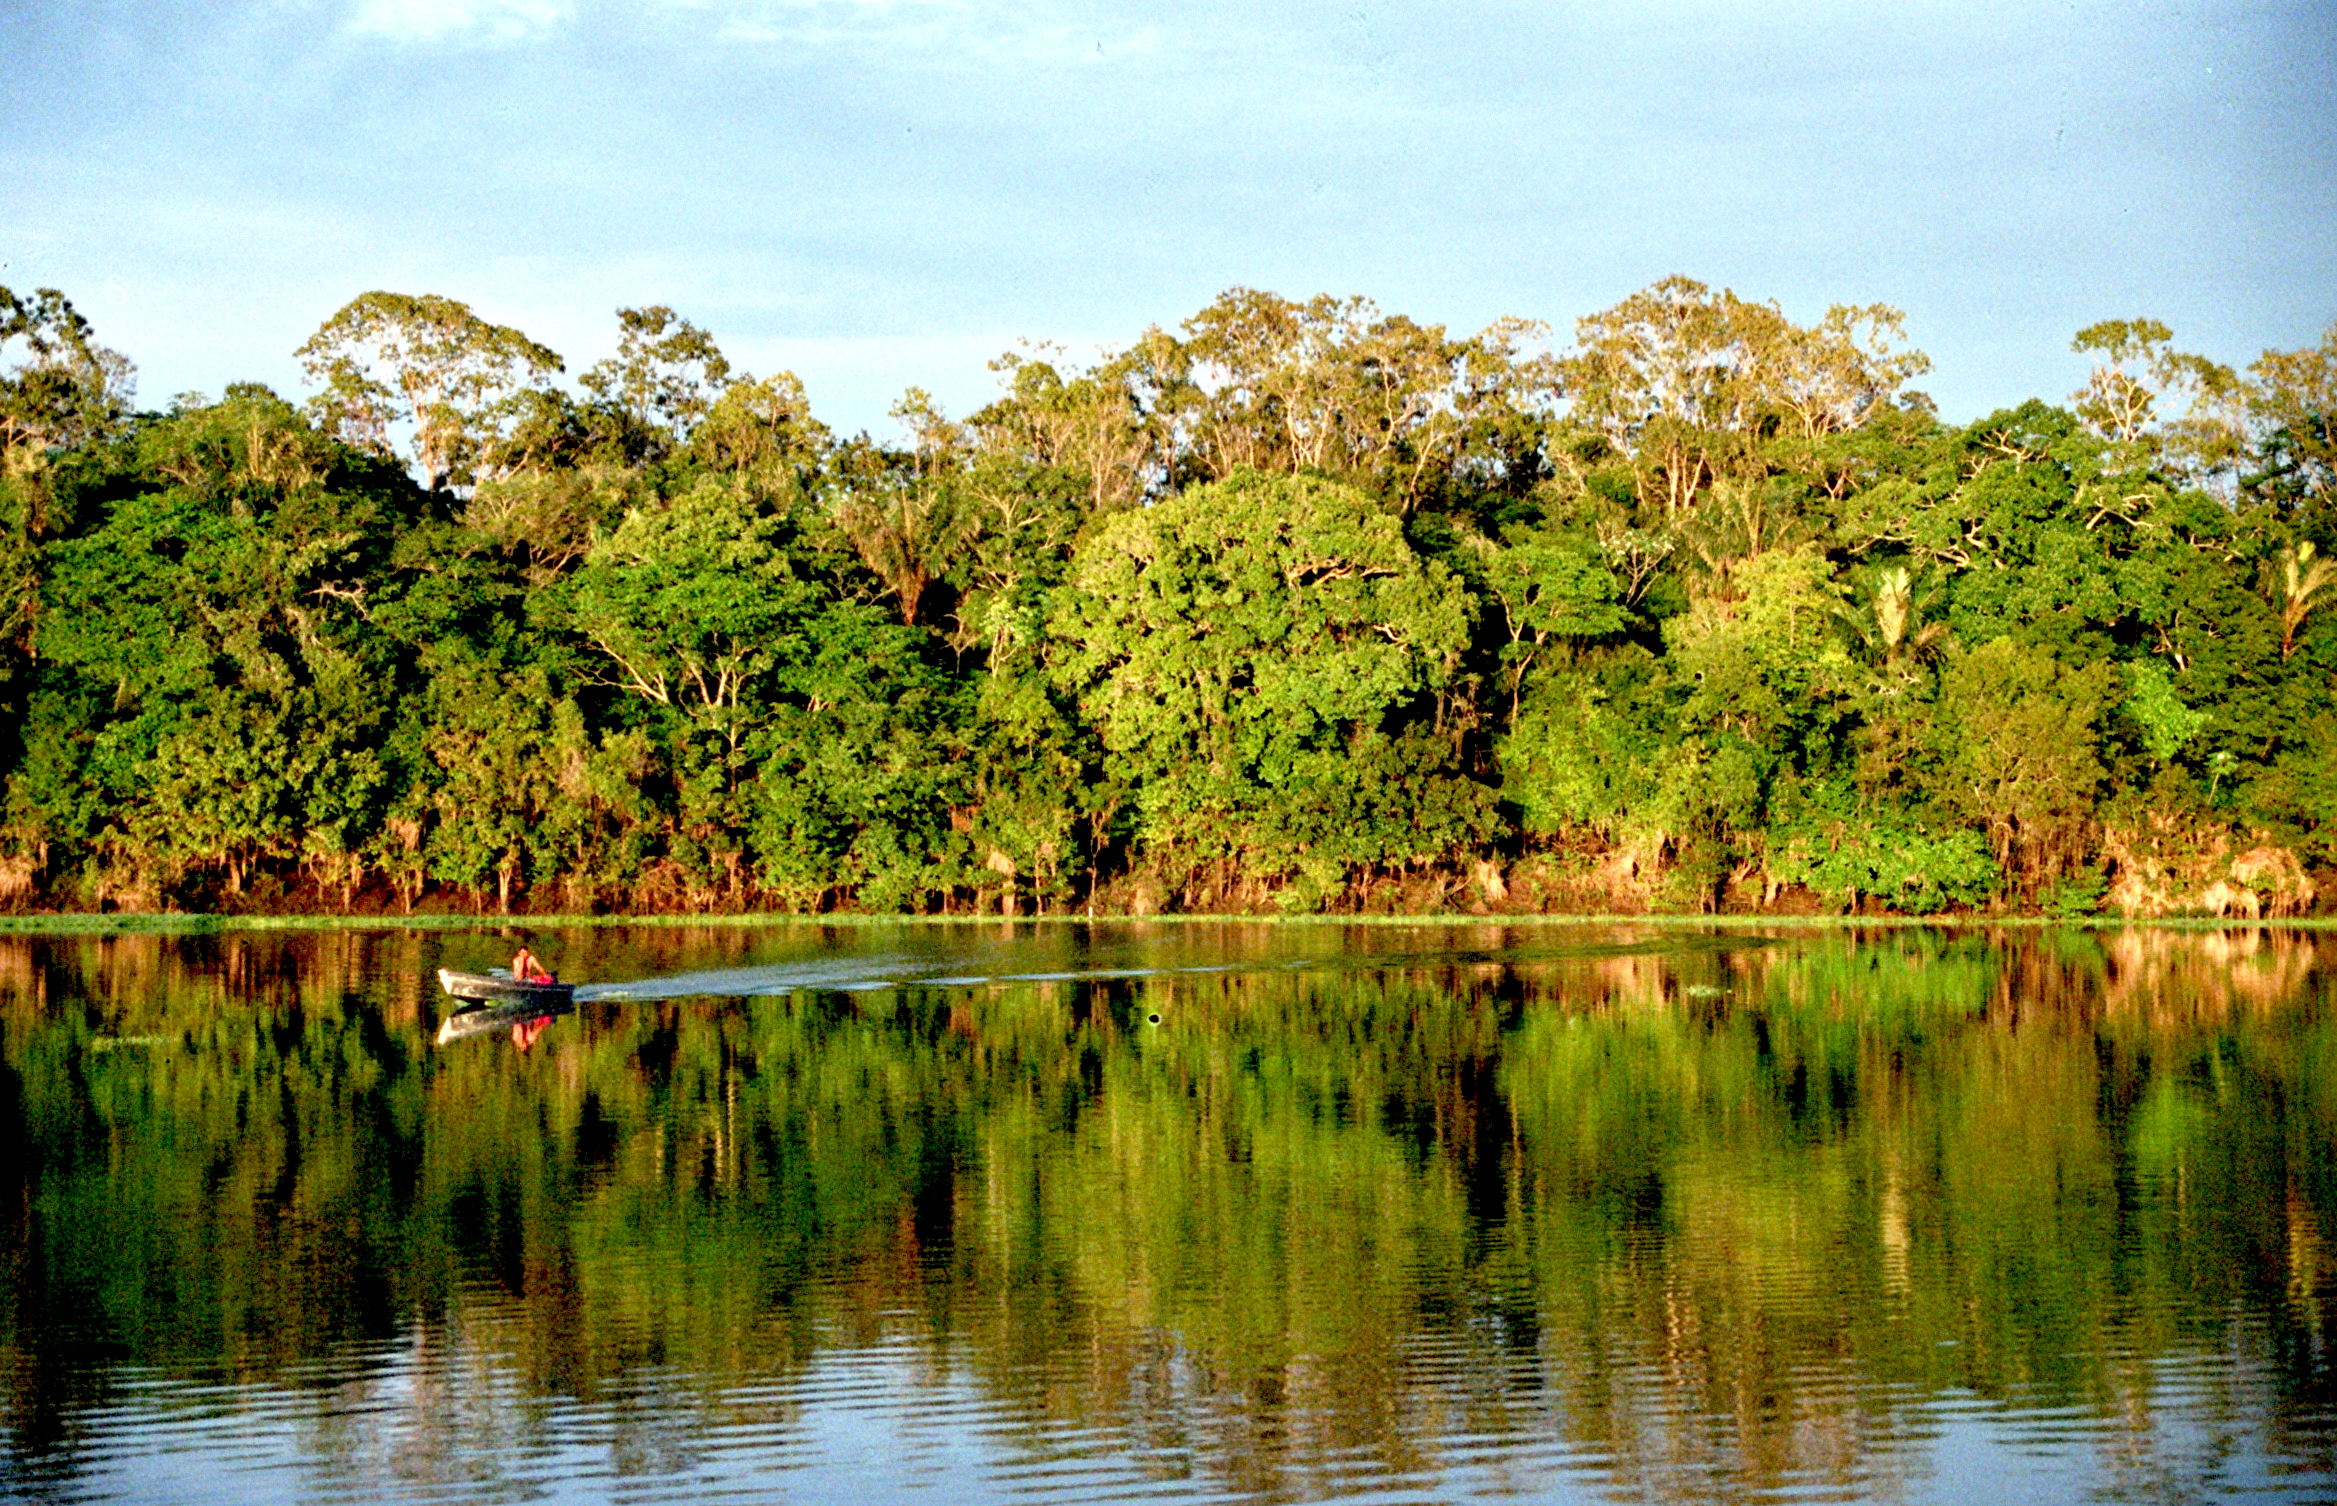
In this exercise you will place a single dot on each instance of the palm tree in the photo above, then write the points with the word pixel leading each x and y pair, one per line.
pixel 2295 587
pixel 1890 624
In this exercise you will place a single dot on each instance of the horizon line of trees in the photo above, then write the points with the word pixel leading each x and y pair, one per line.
pixel 1299 605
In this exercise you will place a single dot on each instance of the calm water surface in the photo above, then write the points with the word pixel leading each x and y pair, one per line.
pixel 1177 1212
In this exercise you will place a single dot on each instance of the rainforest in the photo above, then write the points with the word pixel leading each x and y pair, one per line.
pixel 1297 607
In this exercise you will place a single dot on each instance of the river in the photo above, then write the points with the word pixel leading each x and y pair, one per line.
pixel 1182 1211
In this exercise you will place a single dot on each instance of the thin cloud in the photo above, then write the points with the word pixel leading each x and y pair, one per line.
pixel 932 29
pixel 460 21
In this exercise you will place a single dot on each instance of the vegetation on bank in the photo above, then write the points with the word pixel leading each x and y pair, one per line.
pixel 1299 607
pixel 539 928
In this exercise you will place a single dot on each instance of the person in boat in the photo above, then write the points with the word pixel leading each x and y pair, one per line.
pixel 526 969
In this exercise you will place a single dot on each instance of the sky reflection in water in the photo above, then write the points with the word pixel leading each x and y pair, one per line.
pixel 1378 1213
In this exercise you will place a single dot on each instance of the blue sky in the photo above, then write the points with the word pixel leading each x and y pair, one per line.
pixel 875 193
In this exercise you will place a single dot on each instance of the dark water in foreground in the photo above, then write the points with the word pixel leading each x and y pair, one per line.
pixel 1176 1212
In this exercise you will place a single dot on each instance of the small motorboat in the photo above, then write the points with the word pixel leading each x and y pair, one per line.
pixel 495 1001
pixel 499 987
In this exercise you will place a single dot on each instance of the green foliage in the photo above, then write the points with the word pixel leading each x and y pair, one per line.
pixel 2017 744
pixel 2167 724
pixel 2293 397
pixel 492 780
pixel 2298 794
pixel 1250 651
pixel 1296 604
pixel 1579 750
pixel 2139 369
pixel 1849 852
pixel 2074 897
pixel 1550 587
pixel 695 605
pixel 1763 659
pixel 662 372
pixel 210 657
pixel 858 772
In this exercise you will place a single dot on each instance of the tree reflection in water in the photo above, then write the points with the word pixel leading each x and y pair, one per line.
pixel 1676 1216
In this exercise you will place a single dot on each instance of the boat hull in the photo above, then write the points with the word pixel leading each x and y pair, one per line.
pixel 502 988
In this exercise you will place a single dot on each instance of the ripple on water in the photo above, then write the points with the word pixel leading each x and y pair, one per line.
pixel 433 1419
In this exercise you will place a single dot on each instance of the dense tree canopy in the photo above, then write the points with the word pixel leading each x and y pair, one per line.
pixel 1299 604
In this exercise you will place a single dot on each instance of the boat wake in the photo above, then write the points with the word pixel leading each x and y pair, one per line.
pixel 865 973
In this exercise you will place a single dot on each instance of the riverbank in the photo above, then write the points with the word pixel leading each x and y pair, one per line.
pixel 83 923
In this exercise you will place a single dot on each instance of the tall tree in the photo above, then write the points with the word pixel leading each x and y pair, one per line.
pixel 761 430
pixel 2292 396
pixel 389 358
pixel 62 388
pixel 2137 371
pixel 1331 385
pixel 666 372
pixel 1689 382
pixel 1092 425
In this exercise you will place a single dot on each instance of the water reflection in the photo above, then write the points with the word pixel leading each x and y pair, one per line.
pixel 1241 1212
